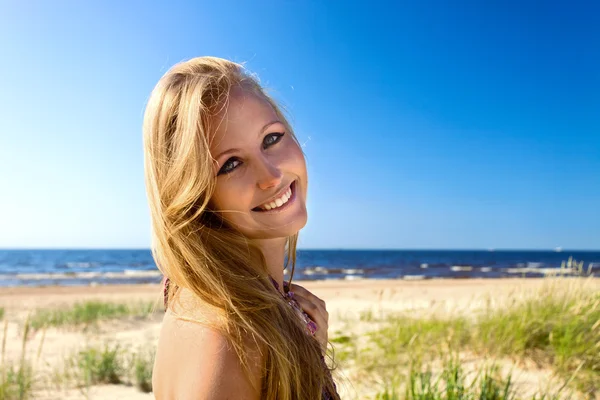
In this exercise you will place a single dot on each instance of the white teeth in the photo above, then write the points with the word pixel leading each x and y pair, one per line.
pixel 278 202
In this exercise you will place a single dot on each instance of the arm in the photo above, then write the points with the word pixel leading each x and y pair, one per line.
pixel 195 362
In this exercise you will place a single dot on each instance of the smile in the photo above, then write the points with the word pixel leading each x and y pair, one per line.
pixel 281 203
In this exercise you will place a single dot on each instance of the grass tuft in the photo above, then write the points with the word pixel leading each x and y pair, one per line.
pixel 143 363
pixel 100 365
pixel 87 313
pixel 16 380
pixel 452 383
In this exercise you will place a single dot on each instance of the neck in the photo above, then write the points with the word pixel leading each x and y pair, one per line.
pixel 274 253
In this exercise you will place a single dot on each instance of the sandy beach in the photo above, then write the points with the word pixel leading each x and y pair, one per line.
pixel 340 295
pixel 346 301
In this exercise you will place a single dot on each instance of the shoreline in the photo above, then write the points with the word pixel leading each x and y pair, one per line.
pixel 386 290
pixel 132 282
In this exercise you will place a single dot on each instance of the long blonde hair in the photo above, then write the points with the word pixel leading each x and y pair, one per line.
pixel 195 247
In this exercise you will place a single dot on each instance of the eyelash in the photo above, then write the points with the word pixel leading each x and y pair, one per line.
pixel 277 136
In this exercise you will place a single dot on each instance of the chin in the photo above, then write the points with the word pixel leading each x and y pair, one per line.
pixel 289 230
pixel 301 223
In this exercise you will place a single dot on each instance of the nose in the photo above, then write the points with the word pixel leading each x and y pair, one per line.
pixel 268 174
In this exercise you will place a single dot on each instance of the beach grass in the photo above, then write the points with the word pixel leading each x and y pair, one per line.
pixel 94 364
pixel 452 383
pixel 556 328
pixel 89 312
pixel 106 363
pixel 16 379
pixel 100 365
pixel 142 364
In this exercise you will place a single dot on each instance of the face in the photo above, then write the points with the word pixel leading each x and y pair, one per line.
pixel 260 170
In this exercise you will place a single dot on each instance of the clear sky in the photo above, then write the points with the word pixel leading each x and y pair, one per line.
pixel 426 125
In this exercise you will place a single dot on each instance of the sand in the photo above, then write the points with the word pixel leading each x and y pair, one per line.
pixel 345 301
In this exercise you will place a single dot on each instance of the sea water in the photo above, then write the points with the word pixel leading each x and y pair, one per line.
pixel 97 267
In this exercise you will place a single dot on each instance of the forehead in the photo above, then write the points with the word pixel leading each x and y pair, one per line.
pixel 244 117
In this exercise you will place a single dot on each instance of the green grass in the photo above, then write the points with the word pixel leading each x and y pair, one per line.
pixel 452 383
pixel 100 365
pixel 420 333
pixel 143 362
pixel 558 328
pixel 109 363
pixel 88 312
pixel 91 365
pixel 16 380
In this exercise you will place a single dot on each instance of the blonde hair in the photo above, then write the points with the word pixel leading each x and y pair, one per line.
pixel 195 247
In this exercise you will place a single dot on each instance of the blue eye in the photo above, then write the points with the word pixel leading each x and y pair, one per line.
pixel 229 166
pixel 271 139
pixel 232 163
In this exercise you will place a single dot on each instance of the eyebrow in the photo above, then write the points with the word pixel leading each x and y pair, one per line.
pixel 264 128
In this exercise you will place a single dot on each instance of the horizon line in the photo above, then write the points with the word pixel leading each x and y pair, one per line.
pixel 491 250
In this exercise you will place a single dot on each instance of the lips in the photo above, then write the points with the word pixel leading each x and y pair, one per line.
pixel 279 201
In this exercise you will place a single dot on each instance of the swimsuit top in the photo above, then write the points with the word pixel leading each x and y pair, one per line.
pixel 288 295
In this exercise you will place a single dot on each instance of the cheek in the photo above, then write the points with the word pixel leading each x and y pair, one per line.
pixel 231 196
pixel 297 160
pixel 297 166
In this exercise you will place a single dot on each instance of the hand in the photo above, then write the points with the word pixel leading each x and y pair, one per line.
pixel 316 310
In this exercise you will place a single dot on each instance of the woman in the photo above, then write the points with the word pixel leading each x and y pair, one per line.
pixel 226 183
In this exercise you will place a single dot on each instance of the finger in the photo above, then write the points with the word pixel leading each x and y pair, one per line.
pixel 306 293
pixel 311 307
pixel 317 314
pixel 318 317
pixel 308 306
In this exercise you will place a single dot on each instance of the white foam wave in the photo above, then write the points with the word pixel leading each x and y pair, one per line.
pixel 73 264
pixel 413 277
pixel 315 271
pixel 353 271
pixel 543 271
pixel 324 271
pixel 461 268
pixel 84 275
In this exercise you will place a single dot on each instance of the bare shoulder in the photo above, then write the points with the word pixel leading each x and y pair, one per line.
pixel 194 361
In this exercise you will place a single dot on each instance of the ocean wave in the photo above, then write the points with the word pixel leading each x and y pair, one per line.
pixel 461 268
pixel 338 271
pixel 542 271
pixel 82 275
pixel 74 264
pixel 414 277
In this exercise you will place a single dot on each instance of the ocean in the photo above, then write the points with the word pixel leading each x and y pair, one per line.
pixel 99 267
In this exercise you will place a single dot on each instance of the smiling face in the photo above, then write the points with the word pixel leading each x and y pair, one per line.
pixel 260 169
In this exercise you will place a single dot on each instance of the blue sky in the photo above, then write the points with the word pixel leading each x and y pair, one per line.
pixel 426 125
